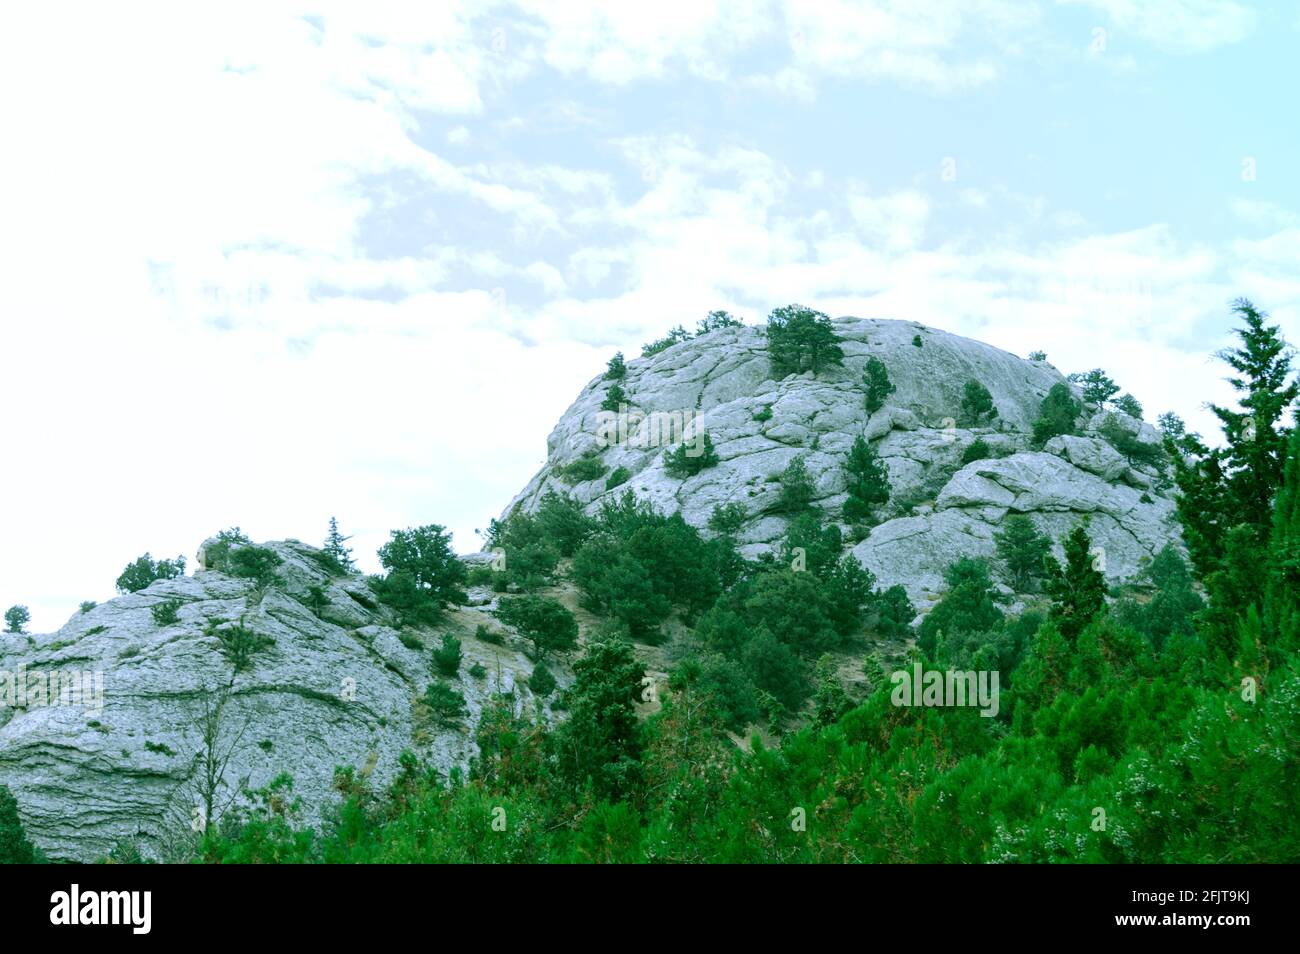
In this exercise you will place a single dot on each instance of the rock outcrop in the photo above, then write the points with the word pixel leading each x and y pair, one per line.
pixel 337 685
pixel 940 508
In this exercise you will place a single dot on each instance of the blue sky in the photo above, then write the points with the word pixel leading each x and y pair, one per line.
pixel 265 263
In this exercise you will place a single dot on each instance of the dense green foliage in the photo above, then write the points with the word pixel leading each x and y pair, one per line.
pixel 976 404
pixel 690 458
pixel 876 384
pixel 16 617
pixel 800 339
pixel 15 849
pixel 142 571
pixel 1058 414
pixel 544 621
pixel 424 575
pixel 336 549
pixel 1021 550
pixel 1098 388
pixel 868 481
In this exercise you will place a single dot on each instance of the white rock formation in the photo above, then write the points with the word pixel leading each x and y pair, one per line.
pixel 939 510
pixel 335 689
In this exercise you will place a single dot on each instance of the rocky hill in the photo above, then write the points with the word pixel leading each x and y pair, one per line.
pixel 940 508
pixel 334 683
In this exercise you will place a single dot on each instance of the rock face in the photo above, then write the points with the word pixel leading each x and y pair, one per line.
pixel 125 761
pixel 940 509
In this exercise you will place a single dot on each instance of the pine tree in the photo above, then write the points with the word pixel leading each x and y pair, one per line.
pixel 976 403
pixel 615 397
pixel 1022 549
pixel 335 547
pixel 797 488
pixel 875 380
pixel 1256 438
pixel 687 461
pixel 16 617
pixel 1282 601
pixel 868 481
pixel 1129 405
pixel 1057 415
pixel 800 339
pixel 1077 589
pixel 1098 388
pixel 15 849
pixel 616 369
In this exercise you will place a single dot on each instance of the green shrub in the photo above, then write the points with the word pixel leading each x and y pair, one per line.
pixel 868 481
pixel 616 369
pixel 410 640
pixel 447 704
pixel 587 467
pixel 797 487
pixel 145 570
pixel 675 336
pixel 1057 415
pixel 258 564
pixel 978 449
pixel 916 341
pixel 166 613
pixel 488 635
pixel 800 339
pixel 477 671
pixel 218 551
pixel 447 657
pixel 544 621
pixel 688 461
pixel 977 404
pixel 763 414
pixel 876 383
pixel 16 617
pixel 615 398
pixel 87 606
pixel 618 478
pixel 727 518
pixel 541 682
pixel 424 574
pixel 239 644
pixel 15 849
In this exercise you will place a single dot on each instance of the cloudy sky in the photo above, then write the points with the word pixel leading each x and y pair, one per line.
pixel 266 263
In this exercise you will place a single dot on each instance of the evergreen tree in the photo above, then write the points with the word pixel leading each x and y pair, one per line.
pixel 1077 588
pixel 797 488
pixel 15 849
pixel 1282 603
pixel 145 570
pixel 616 369
pixel 1256 436
pixel 1057 415
pixel 1129 405
pixel 336 547
pixel 1098 388
pixel 544 621
pixel 876 383
pixel 1022 549
pixel 615 397
pixel 447 657
pixel 424 556
pixel 680 463
pixel 868 481
pixel 16 617
pixel 715 320
pixel 800 339
pixel 976 404
pixel 600 743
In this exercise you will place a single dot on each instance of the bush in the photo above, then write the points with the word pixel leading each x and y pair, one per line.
pixel 763 414
pixel 1133 450
pixel 488 635
pixel 447 657
pixel 618 478
pixel 477 671
pixel 978 449
pixel 675 336
pixel 1057 415
pixel 895 613
pixel 797 488
pixel 977 404
pixel 1022 548
pixel 544 621
pixel 727 518
pixel 868 483
pixel 688 461
pixel 587 467
pixel 916 341
pixel 876 383
pixel 541 682
pixel 616 369
pixel 145 570
pixel 410 640
pixel 258 564
pixel 15 849
pixel 800 339
pixel 1129 405
pixel 424 575
pixel 447 705
pixel 1098 388
pixel 715 320
pixel 87 606
pixel 166 613
pixel 16 617
pixel 218 551
pixel 239 644
pixel 615 398
pixel 1038 356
